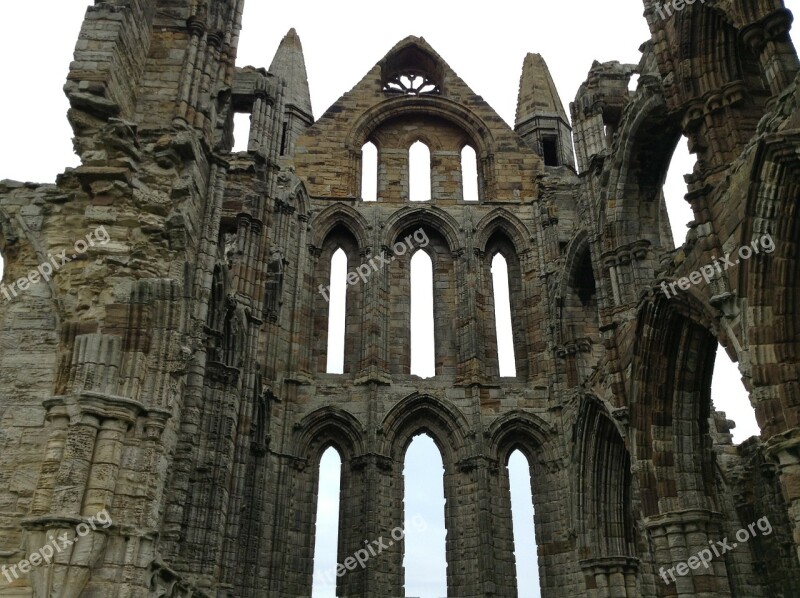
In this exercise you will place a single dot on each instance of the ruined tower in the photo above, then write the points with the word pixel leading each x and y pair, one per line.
pixel 171 371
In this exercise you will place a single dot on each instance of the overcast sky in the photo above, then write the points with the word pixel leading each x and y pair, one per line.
pixel 342 41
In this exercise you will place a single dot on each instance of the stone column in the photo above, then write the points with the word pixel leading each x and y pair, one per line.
pixel 678 538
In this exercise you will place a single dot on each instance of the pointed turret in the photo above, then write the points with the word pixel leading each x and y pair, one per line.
pixel 290 65
pixel 541 119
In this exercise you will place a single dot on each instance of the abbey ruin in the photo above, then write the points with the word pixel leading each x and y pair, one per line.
pixel 174 379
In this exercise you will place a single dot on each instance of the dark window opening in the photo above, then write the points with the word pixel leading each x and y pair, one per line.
pixel 550 151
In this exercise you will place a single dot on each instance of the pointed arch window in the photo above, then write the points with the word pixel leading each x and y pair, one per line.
pixel 730 396
pixel 369 172
pixel 337 311
pixel 679 211
pixel 326 534
pixel 419 172
pixel 424 550
pixel 423 342
pixel 522 511
pixel 502 317
pixel 469 173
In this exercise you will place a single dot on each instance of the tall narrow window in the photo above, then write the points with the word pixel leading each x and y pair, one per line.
pixel 241 132
pixel 469 173
pixel 678 209
pixel 425 556
pixel 519 476
pixel 423 354
pixel 502 317
pixel 369 172
pixel 326 536
pixel 337 312
pixel 550 149
pixel 729 395
pixel 419 172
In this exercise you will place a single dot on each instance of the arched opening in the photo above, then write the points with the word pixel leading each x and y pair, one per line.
pixel 679 211
pixel 423 341
pixel 502 317
pixel 337 310
pixel 424 550
pixel 525 553
pixel 326 534
pixel 729 395
pixel 369 172
pixel 241 132
pixel 469 173
pixel 419 172
pixel 580 305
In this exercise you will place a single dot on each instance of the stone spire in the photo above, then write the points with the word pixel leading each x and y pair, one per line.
pixel 290 64
pixel 541 119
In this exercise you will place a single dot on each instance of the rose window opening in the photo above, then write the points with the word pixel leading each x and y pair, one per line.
pixel 410 83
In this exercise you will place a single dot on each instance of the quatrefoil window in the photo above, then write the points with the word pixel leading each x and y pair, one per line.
pixel 411 84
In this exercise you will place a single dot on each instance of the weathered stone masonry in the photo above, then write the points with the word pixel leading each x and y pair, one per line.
pixel 176 375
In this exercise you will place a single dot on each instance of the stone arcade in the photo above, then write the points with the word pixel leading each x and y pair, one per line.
pixel 176 375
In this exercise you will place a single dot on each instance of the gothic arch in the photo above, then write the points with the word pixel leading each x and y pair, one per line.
pixel 579 301
pixel 521 430
pixel 499 242
pixel 643 149
pixel 340 214
pixel 771 283
pixel 292 191
pixel 670 403
pixel 419 413
pixel 605 519
pixel 501 219
pixel 577 245
pixel 325 427
pixel 339 236
pixel 448 110
pixel 436 218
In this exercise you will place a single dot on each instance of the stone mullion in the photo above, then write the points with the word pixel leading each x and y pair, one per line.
pixel 524 307
pixel 380 319
pixel 385 576
pixel 290 546
pixel 503 571
pixel 463 541
pixel 353 512
pixel 448 274
pixel 485 364
pixel 400 316
pixel 257 117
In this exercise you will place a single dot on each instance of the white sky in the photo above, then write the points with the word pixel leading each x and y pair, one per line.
pixel 342 41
